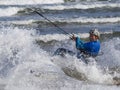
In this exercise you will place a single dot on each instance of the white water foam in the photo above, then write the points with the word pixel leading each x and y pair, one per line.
pixel 92 20
pixel 13 42
pixel 19 54
pixel 94 73
pixel 59 37
pixel 9 11
pixel 86 5
pixel 111 54
pixel 24 2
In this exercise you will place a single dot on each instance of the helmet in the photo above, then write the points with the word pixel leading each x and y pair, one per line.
pixel 95 32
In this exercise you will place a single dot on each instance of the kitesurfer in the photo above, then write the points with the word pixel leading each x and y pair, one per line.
pixel 90 48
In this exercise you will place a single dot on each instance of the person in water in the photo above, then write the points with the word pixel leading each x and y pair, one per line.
pixel 90 48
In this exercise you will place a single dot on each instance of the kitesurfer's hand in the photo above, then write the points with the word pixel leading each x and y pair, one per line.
pixel 72 37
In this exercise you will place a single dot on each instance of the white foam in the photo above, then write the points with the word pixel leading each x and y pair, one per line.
pixel 59 37
pixel 82 6
pixel 22 2
pixel 9 11
pixel 111 55
pixel 94 73
pixel 18 55
pixel 93 20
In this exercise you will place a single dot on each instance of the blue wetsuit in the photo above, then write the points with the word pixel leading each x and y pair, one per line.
pixel 91 48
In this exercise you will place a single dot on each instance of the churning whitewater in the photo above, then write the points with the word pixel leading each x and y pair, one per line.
pixel 28 42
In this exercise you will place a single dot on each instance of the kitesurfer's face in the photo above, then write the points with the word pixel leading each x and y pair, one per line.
pixel 93 37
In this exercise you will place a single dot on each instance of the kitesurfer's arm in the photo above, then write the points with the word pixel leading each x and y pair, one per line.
pixel 79 42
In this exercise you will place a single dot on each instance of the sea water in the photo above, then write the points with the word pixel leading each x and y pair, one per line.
pixel 28 42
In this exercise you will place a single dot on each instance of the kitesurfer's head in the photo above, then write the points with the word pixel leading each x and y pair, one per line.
pixel 94 34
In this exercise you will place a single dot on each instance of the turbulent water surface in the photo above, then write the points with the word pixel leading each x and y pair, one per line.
pixel 28 41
